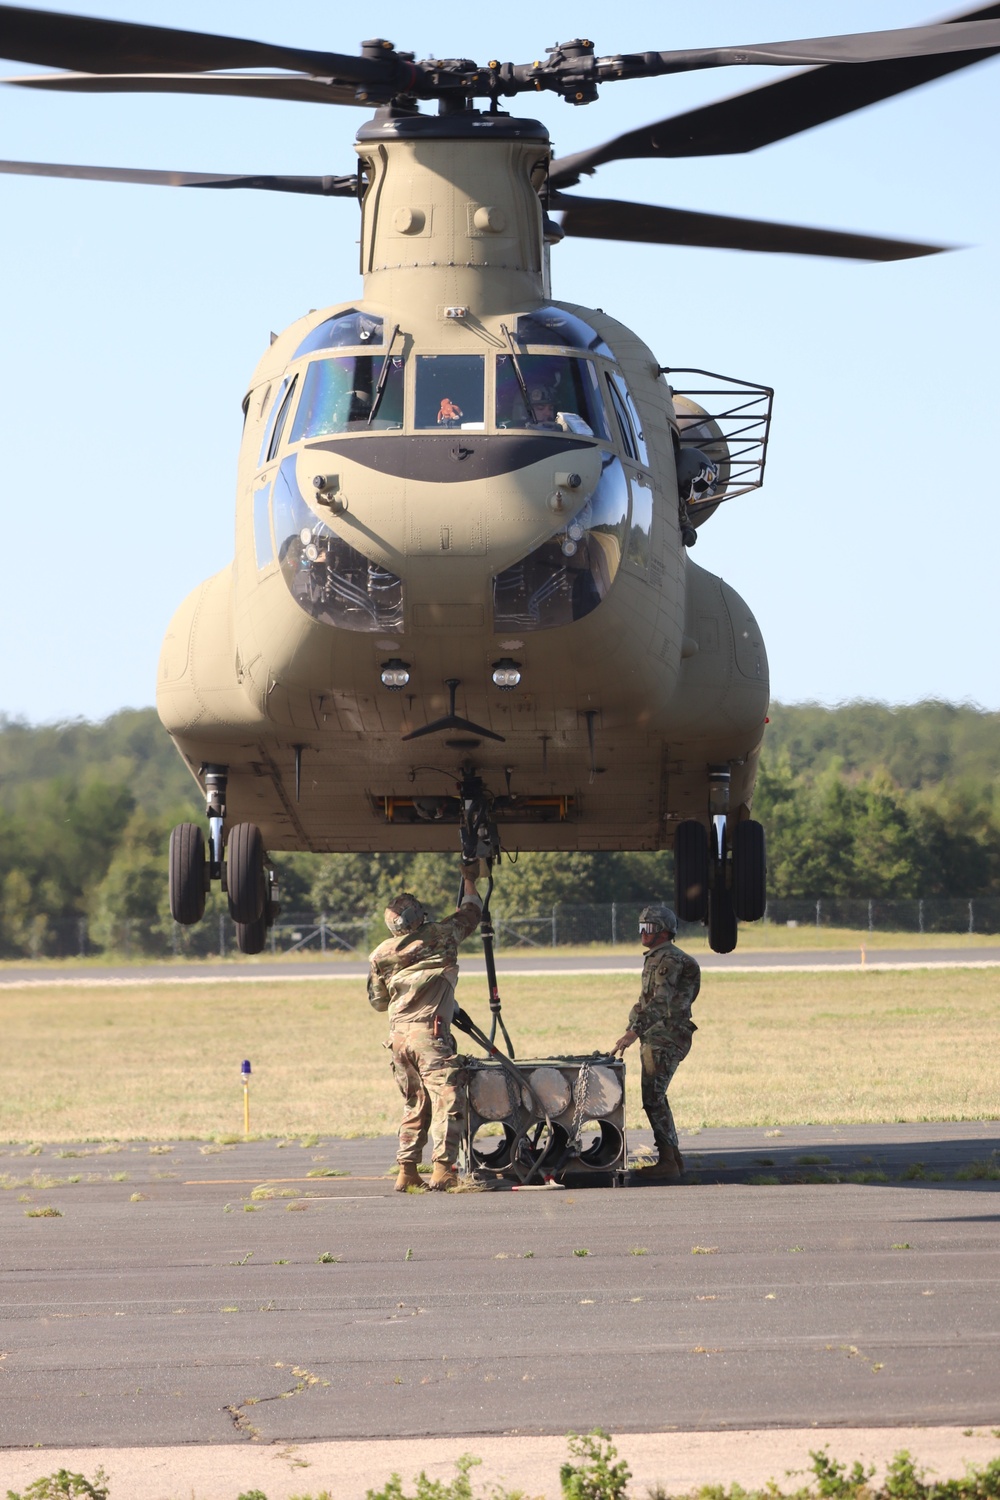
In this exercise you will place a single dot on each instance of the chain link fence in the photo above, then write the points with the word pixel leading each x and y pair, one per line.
pixel 614 922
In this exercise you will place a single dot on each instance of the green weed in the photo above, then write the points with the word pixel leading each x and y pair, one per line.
pixel 61 1484
pixel 979 1171
pixel 590 1473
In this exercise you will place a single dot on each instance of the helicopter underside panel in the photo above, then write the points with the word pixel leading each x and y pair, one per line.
pixel 346 798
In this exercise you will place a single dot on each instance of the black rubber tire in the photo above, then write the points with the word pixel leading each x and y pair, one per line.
pixel 749 871
pixel 245 876
pixel 721 920
pixel 187 873
pixel 691 871
pixel 251 936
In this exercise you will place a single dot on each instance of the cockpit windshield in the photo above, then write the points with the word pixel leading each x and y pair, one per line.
pixel 450 391
pixel 345 330
pixel 338 394
pixel 558 394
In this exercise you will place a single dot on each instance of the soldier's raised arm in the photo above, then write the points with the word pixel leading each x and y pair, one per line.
pixel 378 994
pixel 470 913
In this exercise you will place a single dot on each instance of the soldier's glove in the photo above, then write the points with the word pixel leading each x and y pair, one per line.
pixel 471 869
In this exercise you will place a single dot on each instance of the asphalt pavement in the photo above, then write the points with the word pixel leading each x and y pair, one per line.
pixel 538 961
pixel 251 1294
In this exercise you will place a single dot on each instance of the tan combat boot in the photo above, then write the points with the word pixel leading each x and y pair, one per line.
pixel 443 1177
pixel 664 1169
pixel 408 1177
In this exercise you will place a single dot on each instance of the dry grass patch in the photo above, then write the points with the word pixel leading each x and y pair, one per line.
pixel 771 1050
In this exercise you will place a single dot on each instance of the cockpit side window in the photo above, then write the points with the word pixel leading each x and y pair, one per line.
pixel 338 396
pixel 450 392
pixel 563 395
pixel 275 407
pixel 628 425
pixel 282 417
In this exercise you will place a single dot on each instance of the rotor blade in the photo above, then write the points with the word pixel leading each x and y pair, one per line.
pixel 91 45
pixel 607 219
pixel 761 116
pixel 326 187
pixel 856 47
pixel 298 88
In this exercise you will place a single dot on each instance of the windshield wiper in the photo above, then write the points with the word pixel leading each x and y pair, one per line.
pixel 529 409
pixel 383 376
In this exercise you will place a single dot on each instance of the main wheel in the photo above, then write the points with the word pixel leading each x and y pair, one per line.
pixel 749 871
pixel 721 920
pixel 245 874
pixel 691 871
pixel 251 936
pixel 187 873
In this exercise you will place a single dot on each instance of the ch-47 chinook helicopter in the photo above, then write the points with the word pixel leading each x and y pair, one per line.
pixel 462 598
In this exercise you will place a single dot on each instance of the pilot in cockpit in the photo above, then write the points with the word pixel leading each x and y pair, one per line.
pixel 543 407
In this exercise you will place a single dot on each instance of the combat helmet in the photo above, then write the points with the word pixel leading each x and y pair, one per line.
pixel 659 917
pixel 404 913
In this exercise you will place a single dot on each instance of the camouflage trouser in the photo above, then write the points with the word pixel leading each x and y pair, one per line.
pixel 659 1064
pixel 433 1085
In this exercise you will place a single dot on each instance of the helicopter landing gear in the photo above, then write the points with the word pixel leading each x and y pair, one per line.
pixel 721 916
pixel 749 891
pixel 691 871
pixel 246 877
pixel 721 877
pixel 189 875
pixel 239 865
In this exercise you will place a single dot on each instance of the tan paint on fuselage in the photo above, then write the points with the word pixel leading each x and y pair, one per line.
pixel 670 662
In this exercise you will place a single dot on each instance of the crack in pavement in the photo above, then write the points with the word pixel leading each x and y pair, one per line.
pixel 241 1421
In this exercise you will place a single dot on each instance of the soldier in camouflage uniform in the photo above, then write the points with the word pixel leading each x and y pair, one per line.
pixel 412 975
pixel 661 1021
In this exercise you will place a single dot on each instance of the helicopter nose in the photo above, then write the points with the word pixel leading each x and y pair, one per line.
pixel 462 493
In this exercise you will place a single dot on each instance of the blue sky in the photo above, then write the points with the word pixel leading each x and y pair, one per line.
pixel 132 318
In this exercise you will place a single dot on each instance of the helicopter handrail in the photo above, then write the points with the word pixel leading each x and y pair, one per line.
pixel 741 409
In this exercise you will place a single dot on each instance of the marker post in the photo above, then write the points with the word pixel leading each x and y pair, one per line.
pixel 245 1074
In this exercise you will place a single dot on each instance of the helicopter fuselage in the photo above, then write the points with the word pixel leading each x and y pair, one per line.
pixel 458 500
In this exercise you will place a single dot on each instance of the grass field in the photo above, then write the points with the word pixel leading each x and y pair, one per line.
pixel 163 1062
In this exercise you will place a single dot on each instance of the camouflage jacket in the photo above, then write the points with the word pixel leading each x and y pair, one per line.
pixel 413 977
pixel 670 983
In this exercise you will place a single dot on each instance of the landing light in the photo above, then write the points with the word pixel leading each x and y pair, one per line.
pixel 506 674
pixel 395 674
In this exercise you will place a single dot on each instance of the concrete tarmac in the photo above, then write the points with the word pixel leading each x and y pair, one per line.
pixel 539 961
pixel 239 1298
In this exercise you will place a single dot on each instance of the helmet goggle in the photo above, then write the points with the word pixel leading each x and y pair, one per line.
pixel 647 929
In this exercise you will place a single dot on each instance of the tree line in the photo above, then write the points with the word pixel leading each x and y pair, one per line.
pixel 858 801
